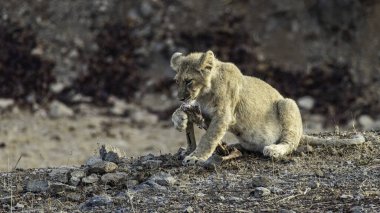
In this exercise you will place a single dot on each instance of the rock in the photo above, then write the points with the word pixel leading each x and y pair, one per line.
pixel 306 102
pixel 92 160
pixel 114 178
pixel 58 109
pixel 366 122
pixel 152 164
pixel 103 167
pixel 74 196
pixel 261 192
pixel 97 200
pixel 131 183
pixel 163 179
pixel 319 173
pixel 313 184
pixel 260 181
pixel 60 175
pixel 76 177
pixel 357 209
pixel 19 206
pixel 286 211
pixel 189 209
pixel 143 118
pixel 146 9
pixel 58 188
pixel 57 87
pixel 6 102
pixel 111 153
pixel 346 196
pixel 37 186
pixel 93 178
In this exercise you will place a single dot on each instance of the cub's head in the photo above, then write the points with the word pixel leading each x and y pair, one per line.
pixel 194 72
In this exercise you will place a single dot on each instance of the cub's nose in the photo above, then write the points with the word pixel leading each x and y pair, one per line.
pixel 182 99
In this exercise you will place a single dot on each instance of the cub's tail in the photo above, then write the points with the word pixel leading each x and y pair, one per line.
pixel 312 140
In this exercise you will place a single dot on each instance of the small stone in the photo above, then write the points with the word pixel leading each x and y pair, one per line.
pixel 57 87
pixel 261 192
pixel 93 178
pixel 366 122
pixel 58 188
pixel 357 209
pixel 306 102
pixel 260 181
pixel 346 196
pixel 97 200
pixel 152 164
pixel 19 206
pixel 92 160
pixel 313 184
pixel 58 109
pixel 286 211
pixel 163 179
pixel 60 175
pixel 131 183
pixel 114 178
pixel 76 177
pixel 6 102
pixel 189 209
pixel 73 196
pixel 111 153
pixel 37 186
pixel 319 173
pixel 103 167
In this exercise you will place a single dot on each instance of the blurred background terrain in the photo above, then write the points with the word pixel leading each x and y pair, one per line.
pixel 74 74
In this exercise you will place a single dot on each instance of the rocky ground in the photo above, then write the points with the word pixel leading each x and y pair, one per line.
pixel 313 179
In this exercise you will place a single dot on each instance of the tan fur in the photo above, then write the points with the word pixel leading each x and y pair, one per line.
pixel 261 118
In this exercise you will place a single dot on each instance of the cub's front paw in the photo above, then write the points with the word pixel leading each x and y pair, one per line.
pixel 179 119
pixel 192 160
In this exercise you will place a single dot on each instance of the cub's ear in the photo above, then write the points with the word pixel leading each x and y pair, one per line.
pixel 175 60
pixel 206 61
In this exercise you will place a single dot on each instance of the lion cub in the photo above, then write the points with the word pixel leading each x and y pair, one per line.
pixel 256 113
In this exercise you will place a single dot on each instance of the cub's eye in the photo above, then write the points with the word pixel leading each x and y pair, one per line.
pixel 188 82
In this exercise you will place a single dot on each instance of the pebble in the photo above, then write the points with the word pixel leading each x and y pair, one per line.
pixel 37 186
pixel 111 153
pixel 58 109
pixel 92 160
pixel 114 178
pixel 103 167
pixel 357 209
pixel 286 211
pixel 58 188
pixel 97 200
pixel 306 102
pixel 152 164
pixel 6 102
pixel 60 175
pixel 313 184
pixel 260 181
pixel 189 209
pixel 73 196
pixel 366 122
pixel 93 178
pixel 76 177
pixel 319 173
pixel 163 179
pixel 261 192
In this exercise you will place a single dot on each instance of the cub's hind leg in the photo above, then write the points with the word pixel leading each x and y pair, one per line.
pixel 291 122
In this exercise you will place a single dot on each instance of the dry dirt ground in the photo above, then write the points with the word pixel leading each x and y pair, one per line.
pixel 318 179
